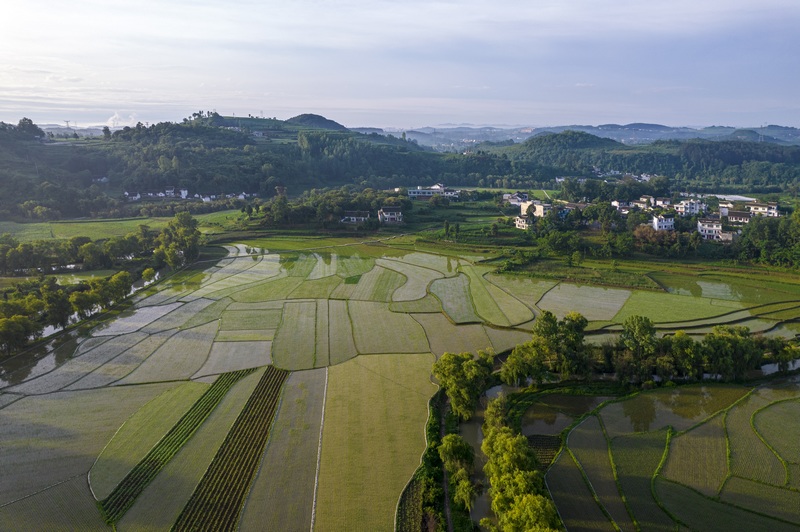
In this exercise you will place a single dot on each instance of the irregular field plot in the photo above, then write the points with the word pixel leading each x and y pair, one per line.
pixel 326 266
pixel 665 307
pixel 680 407
pixel 316 289
pixel 444 337
pixel 377 330
pixel 577 508
pixel 485 304
pixel 701 513
pixel 178 358
pixel 527 290
pixel 417 279
pixel 428 304
pixel 233 356
pixel 341 345
pixel 77 367
pixel 544 419
pixel 210 313
pixel 133 320
pixel 283 492
pixel 698 458
pixel 505 339
pixel 588 443
pixel 236 320
pixel 139 434
pixel 636 459
pixel 354 265
pixel 177 317
pixel 295 343
pixel 122 365
pixel 66 506
pixel 448 266
pixel 257 335
pixel 377 285
pixel 749 457
pixel 322 335
pixel 770 500
pixel 455 297
pixel 593 302
pixel 51 438
pixel 160 503
pixel 267 291
pixel 778 425
pixel 372 440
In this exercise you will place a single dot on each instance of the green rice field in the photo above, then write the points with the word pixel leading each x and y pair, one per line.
pixel 355 330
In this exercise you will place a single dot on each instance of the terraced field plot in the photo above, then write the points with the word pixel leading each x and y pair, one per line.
pixel 715 472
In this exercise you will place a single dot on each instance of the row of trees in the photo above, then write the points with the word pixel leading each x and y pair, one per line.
pixel 30 306
pixel 558 347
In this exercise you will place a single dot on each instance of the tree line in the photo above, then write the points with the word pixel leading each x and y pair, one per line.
pixel 30 306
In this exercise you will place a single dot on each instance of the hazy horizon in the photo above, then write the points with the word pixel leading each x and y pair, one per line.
pixel 404 64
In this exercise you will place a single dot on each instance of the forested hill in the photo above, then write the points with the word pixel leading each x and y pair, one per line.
pixel 211 154
pixel 699 164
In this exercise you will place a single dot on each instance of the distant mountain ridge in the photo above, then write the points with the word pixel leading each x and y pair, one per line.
pixel 458 138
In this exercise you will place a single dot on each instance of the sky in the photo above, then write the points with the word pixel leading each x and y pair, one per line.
pixel 403 63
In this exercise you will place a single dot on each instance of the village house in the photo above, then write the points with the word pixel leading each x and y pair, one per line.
pixel 539 209
pixel 663 223
pixel 523 222
pixel 436 190
pixel 709 229
pixel 690 207
pixel 354 217
pixel 763 209
pixel 390 215
pixel 516 198
pixel 738 217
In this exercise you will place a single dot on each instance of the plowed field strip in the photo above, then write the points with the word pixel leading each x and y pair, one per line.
pixel 123 496
pixel 218 500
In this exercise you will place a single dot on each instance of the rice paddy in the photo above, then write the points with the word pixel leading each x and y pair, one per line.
pixel 375 318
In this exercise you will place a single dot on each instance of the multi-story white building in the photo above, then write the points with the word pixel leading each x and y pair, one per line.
pixel 663 223
pixel 709 229
pixel 763 209
pixel 540 210
pixel 522 222
pixel 436 190
pixel 690 207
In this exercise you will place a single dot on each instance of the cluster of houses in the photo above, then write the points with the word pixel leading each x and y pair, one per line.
pixel 170 192
pixel 709 225
pixel 386 215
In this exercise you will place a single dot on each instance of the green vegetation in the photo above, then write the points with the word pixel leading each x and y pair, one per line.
pixel 218 499
pixel 123 495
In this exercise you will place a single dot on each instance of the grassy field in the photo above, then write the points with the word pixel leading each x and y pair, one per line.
pixel 444 336
pixel 705 448
pixel 372 439
pixel 749 456
pixel 665 307
pixel 294 346
pixel 595 303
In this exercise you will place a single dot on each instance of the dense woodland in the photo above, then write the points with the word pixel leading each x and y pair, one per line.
pixel 209 154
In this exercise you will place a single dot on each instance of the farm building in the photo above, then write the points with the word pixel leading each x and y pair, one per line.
pixel 390 215
pixel 436 190
pixel 354 217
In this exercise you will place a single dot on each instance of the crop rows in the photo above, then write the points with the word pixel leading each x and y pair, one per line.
pixel 218 499
pixel 123 496
pixel 409 509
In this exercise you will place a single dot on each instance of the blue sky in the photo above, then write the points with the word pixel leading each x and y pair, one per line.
pixel 404 63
